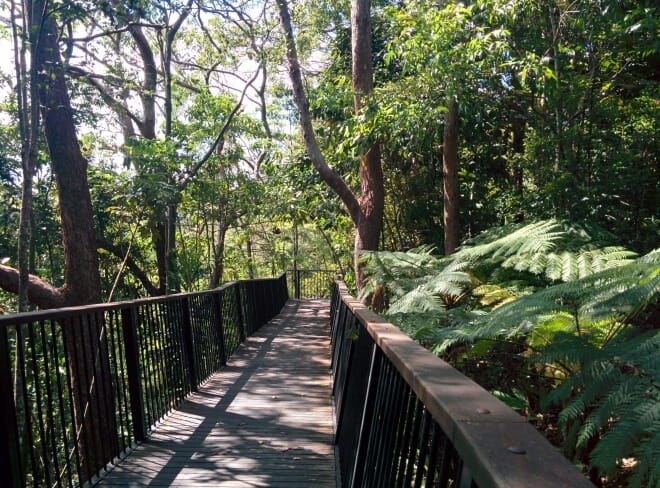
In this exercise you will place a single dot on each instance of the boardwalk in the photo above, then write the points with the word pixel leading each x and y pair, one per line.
pixel 264 420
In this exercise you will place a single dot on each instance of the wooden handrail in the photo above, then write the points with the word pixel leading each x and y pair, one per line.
pixel 499 447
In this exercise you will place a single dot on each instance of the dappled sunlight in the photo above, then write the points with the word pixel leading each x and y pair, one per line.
pixel 263 420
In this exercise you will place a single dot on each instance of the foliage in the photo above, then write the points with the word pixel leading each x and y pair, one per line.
pixel 567 318
pixel 610 405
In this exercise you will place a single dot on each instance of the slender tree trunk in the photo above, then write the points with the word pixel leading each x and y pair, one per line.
pixel 366 212
pixel 171 259
pixel 28 117
pixel 450 187
pixel 219 253
pixel 369 225
pixel 518 146
pixel 250 261
pixel 172 262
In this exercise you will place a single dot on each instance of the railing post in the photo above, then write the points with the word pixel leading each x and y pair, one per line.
pixel 10 463
pixel 239 312
pixel 219 324
pixel 296 283
pixel 367 417
pixel 129 324
pixel 285 289
pixel 188 344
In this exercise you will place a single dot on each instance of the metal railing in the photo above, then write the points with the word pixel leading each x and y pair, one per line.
pixel 310 283
pixel 407 418
pixel 81 386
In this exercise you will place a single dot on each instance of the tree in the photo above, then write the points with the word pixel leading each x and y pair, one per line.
pixel 366 211
pixel 93 409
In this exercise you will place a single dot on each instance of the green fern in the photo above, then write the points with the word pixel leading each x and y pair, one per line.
pixel 579 313
pixel 556 250
pixel 627 294
pixel 612 401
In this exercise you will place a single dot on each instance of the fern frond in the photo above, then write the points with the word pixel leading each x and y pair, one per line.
pixel 416 301
pixel 619 386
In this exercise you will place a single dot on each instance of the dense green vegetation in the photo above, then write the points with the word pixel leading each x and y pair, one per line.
pixel 556 321
pixel 526 131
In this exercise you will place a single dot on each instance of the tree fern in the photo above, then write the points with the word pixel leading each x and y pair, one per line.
pixel 614 400
pixel 628 294
pixel 557 250
pixel 580 313
pixel 551 250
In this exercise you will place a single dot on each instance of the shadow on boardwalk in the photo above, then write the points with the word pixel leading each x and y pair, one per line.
pixel 264 420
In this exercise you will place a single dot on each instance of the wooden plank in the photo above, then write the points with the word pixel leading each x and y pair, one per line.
pixel 264 420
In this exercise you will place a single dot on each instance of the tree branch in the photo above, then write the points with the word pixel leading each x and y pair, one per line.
pixel 120 108
pixel 112 32
pixel 148 125
pixel 193 172
pixel 135 269
pixel 328 174
pixel 40 293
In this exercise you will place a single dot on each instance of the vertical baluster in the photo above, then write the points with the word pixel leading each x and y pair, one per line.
pixel 68 450
pixel 219 326
pixel 155 372
pixel 414 438
pixel 111 328
pixel 374 448
pixel 392 416
pixel 367 417
pixel 142 344
pixel 175 324
pixel 129 319
pixel 10 459
pixel 239 309
pixel 188 342
pixel 108 398
pixel 38 377
pixel 423 449
pixel 49 407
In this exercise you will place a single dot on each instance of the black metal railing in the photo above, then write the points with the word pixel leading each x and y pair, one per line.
pixel 311 283
pixel 406 418
pixel 79 387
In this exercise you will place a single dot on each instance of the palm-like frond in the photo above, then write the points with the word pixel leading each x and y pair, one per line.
pixel 613 399
pixel 622 294
pixel 556 250
pixel 565 291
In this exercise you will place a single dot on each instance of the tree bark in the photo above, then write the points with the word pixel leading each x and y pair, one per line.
pixel 219 253
pixel 450 187
pixel 328 174
pixel 372 194
pixel 121 253
pixel 28 116
pixel 39 292
pixel 518 146
pixel 85 343
pixel 250 261
pixel 366 212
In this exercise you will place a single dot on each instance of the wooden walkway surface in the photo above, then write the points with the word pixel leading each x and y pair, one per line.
pixel 264 420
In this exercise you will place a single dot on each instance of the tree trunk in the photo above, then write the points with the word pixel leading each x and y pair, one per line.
pixel 369 226
pixel 85 343
pixel 366 212
pixel 518 145
pixel 250 261
pixel 450 188
pixel 219 254
pixel 159 241
pixel 172 261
